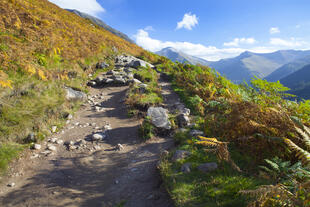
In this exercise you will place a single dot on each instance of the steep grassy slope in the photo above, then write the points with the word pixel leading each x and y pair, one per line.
pixel 42 49
pixel 101 24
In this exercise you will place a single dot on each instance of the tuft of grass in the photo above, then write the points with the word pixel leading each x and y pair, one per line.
pixel 146 129
pixel 8 152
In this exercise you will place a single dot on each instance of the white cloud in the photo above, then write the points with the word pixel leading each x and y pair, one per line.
pixel 237 41
pixel 149 28
pixel 207 52
pixel 188 22
pixel 91 7
pixel 213 53
pixel 274 30
pixel 292 42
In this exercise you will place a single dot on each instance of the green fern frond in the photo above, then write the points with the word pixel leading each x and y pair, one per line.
pixel 274 165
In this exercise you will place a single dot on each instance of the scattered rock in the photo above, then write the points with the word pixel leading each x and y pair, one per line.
pixel 97 137
pixel 54 128
pixel 207 167
pixel 116 182
pixel 196 133
pixel 186 168
pixel 159 117
pixel 11 185
pixel 70 116
pixel 183 120
pixel 179 155
pixel 59 141
pixel 34 156
pixel 74 95
pixel 119 147
pixel 101 65
pixel 37 146
pixel 97 147
pixel 31 138
pixel 68 143
pixel 51 147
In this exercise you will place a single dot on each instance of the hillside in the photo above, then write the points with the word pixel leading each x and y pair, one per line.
pixel 44 48
pixel 101 24
pixel 299 82
pixel 248 64
pixel 175 55
pixel 288 69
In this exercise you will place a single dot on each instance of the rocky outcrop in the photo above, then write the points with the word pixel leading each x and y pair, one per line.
pixel 207 167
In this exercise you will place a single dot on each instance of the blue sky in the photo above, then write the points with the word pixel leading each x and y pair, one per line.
pixel 210 29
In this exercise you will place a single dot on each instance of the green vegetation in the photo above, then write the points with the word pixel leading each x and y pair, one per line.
pixel 244 126
pixel 146 129
pixel 143 96
pixel 8 152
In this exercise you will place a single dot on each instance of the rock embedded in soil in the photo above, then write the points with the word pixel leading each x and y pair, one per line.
pixel 37 146
pixel 195 133
pixel 11 185
pixel 207 167
pixel 97 137
pixel 51 147
pixel 74 95
pixel 180 154
pixel 186 168
pixel 183 120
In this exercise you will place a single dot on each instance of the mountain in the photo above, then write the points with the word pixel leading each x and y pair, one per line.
pixel 289 68
pixel 299 82
pixel 101 24
pixel 249 64
pixel 182 57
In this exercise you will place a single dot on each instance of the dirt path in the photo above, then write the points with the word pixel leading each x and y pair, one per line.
pixel 96 175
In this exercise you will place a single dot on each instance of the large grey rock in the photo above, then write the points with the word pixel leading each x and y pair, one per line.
pixel 180 154
pixel 120 81
pixel 183 120
pixel 73 95
pixel 100 79
pixel 207 167
pixel 130 61
pixel 159 117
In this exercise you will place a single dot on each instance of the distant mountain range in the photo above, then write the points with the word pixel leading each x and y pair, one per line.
pixel 288 66
pixel 101 24
pixel 182 57
pixel 299 82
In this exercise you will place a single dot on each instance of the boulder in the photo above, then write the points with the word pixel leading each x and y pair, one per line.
pixel 100 79
pixel 207 167
pixel 159 117
pixel 180 154
pixel 74 95
pixel 120 81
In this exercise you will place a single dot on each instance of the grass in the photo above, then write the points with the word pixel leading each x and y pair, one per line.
pixel 8 152
pixel 146 130
pixel 219 188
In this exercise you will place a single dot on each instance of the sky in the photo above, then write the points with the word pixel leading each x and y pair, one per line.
pixel 209 29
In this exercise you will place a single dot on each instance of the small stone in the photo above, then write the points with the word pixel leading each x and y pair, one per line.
pixel 68 122
pixel 34 156
pixel 186 168
pixel 72 147
pixel 11 185
pixel 116 182
pixel 54 128
pixel 70 116
pixel 77 124
pixel 53 140
pixel 59 141
pixel 97 147
pixel 207 167
pixel 69 143
pixel 51 147
pixel 81 142
pixel 183 120
pixel 93 124
pixel 37 146
pixel 196 133
pixel 97 137
pixel 179 155
pixel 119 147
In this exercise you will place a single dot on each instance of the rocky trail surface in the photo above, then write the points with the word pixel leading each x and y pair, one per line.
pixel 98 159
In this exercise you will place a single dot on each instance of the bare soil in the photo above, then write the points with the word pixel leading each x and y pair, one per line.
pixel 97 175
